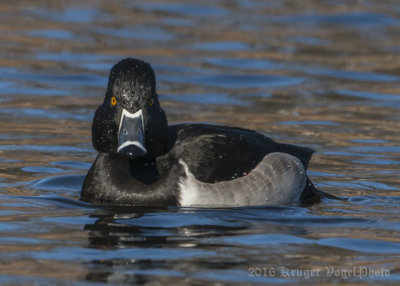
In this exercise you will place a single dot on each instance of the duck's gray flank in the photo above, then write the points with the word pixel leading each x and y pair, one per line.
pixel 277 180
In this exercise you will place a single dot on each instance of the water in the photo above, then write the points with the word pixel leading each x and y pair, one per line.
pixel 324 74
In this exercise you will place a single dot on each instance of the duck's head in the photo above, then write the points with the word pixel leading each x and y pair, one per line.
pixel 130 120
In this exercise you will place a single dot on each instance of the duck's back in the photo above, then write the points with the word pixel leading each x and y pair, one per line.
pixel 219 153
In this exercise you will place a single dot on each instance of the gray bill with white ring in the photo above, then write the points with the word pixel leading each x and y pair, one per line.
pixel 131 134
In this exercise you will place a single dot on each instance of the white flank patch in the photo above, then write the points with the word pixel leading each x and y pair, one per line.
pixel 189 188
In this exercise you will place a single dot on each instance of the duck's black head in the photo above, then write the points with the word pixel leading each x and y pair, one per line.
pixel 130 120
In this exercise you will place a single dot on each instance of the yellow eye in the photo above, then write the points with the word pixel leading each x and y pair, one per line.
pixel 151 102
pixel 113 101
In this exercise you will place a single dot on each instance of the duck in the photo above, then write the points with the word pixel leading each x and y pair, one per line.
pixel 144 161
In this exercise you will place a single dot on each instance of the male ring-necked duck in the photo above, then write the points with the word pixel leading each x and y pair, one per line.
pixel 144 161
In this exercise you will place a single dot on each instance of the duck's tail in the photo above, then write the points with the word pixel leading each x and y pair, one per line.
pixel 312 195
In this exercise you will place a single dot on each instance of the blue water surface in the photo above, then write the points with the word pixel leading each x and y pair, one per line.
pixel 321 74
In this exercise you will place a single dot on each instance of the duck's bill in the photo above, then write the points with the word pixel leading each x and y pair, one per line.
pixel 131 134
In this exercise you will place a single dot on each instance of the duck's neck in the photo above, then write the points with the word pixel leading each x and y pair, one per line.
pixel 157 134
pixel 144 170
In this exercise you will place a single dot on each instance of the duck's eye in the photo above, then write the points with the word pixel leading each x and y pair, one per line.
pixel 151 102
pixel 113 101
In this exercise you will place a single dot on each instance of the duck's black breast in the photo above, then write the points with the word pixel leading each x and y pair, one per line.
pixel 220 153
pixel 117 179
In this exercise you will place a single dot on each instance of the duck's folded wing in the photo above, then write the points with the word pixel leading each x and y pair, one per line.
pixel 219 153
